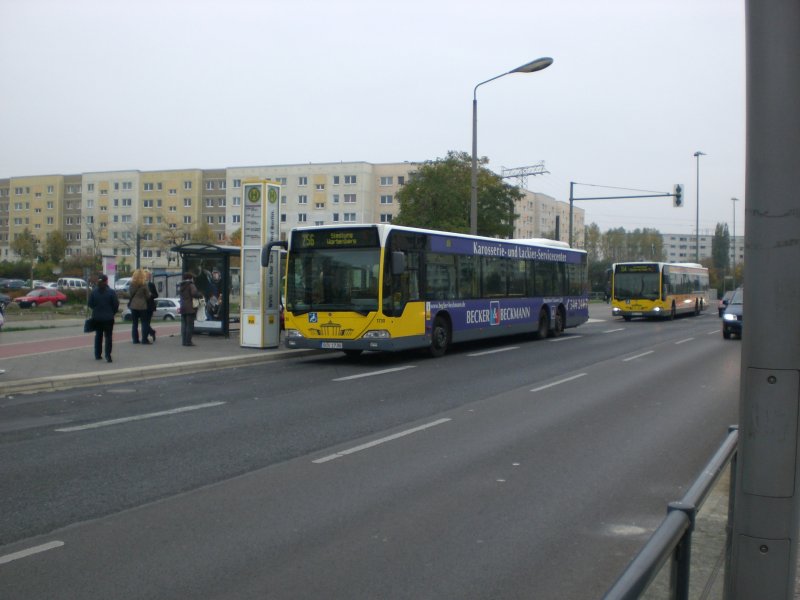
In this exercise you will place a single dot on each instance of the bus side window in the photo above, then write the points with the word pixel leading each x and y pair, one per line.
pixel 468 282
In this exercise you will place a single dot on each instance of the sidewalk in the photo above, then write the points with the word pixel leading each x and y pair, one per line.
pixel 61 356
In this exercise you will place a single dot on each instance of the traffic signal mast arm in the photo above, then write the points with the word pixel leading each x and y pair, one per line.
pixel 677 195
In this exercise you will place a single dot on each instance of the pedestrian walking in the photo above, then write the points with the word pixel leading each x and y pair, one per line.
pixel 138 305
pixel 190 300
pixel 104 304
pixel 151 305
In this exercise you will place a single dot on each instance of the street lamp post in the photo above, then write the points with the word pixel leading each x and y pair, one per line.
pixel 734 200
pixel 697 155
pixel 534 65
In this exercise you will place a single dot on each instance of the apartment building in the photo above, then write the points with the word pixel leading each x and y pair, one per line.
pixel 540 215
pixel 680 247
pixel 114 213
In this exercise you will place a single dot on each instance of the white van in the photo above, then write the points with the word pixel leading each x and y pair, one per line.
pixel 72 283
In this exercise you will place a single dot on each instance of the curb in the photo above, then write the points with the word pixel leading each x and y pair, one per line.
pixel 64 382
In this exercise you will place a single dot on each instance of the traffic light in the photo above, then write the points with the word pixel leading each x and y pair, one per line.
pixel 677 195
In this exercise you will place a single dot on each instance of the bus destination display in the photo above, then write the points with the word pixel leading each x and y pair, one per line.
pixel 336 238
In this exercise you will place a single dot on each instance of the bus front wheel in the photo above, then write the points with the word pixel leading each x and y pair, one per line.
pixel 440 337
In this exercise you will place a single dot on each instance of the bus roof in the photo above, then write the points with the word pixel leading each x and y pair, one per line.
pixel 660 264
pixel 384 229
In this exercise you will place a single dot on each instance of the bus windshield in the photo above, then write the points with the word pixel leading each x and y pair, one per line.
pixel 333 280
pixel 637 285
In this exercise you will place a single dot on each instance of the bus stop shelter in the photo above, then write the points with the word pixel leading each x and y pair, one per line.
pixel 216 274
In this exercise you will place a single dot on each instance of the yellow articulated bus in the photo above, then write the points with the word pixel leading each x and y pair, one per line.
pixel 657 289
pixel 389 288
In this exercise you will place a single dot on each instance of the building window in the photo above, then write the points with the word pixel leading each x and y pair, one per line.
pixel 319 205
pixel 335 217
pixel 302 181
pixel 336 198
pixel 320 187
pixel 222 202
pixel 209 202
pixel 237 183
pixel 349 217
pixel 349 198
pixel 50 189
pixel 236 218
pixel 173 192
pixel 401 180
pixel 148 204
pixel 209 185
pixel 187 202
pixel 90 187
pixel 386 199
pixel 302 199
pixel 127 185
pixel 148 187
pixel 301 218
pixel 210 220
pixel 187 185
pixel 387 180
pixel 349 179
pixel 335 180
pixel 187 219
pixel 386 218
pixel 237 200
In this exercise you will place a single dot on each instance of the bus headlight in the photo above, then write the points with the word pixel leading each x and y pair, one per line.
pixel 657 309
pixel 373 334
pixel 615 311
pixel 293 334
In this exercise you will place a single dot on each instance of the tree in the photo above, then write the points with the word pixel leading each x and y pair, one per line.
pixel 203 234
pixel 55 247
pixel 437 196
pixel 26 245
pixel 236 238
pixel 720 247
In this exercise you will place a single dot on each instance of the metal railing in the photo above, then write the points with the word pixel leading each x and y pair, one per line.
pixel 671 543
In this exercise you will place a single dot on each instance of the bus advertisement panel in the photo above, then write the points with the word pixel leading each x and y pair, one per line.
pixel 383 287
pixel 656 289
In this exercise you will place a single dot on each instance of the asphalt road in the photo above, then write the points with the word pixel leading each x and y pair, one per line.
pixel 510 469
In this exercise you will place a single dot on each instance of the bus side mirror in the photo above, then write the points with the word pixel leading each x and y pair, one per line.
pixel 267 250
pixel 398 263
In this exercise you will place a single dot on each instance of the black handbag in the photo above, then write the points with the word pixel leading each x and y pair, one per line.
pixel 88 325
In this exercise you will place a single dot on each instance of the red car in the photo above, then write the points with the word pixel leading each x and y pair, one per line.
pixel 36 298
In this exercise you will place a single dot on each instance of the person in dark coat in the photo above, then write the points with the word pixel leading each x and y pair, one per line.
pixel 104 304
pixel 151 305
pixel 188 292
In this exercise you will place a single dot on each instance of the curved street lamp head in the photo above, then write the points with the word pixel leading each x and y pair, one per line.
pixel 534 65
pixel 698 153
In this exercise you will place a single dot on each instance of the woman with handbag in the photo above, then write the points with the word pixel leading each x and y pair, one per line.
pixel 140 295
pixel 151 306
pixel 190 301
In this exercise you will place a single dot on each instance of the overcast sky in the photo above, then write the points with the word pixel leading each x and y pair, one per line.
pixel 636 87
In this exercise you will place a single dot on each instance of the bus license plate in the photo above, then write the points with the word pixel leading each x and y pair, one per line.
pixel 332 345
pixel 636 314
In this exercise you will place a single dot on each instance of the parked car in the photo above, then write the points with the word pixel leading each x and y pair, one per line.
pixel 50 285
pixel 72 283
pixel 36 298
pixel 732 317
pixel 166 310
pixel 123 284
pixel 723 302
pixel 4 300
pixel 14 284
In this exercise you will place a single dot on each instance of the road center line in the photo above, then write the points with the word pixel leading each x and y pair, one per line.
pixel 495 351
pixel 30 552
pixel 638 356
pixel 564 339
pixel 559 382
pixel 383 440
pixel 683 341
pixel 371 373
pixel 162 413
pixel 614 330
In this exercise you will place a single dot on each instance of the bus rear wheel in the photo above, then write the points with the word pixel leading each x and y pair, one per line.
pixel 440 337
pixel 544 324
pixel 558 326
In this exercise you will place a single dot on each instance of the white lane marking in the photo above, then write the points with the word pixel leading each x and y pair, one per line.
pixel 683 341
pixel 614 330
pixel 596 320
pixel 564 339
pixel 383 440
pixel 559 382
pixel 162 413
pixel 30 552
pixel 495 351
pixel 715 332
pixel 638 356
pixel 370 374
